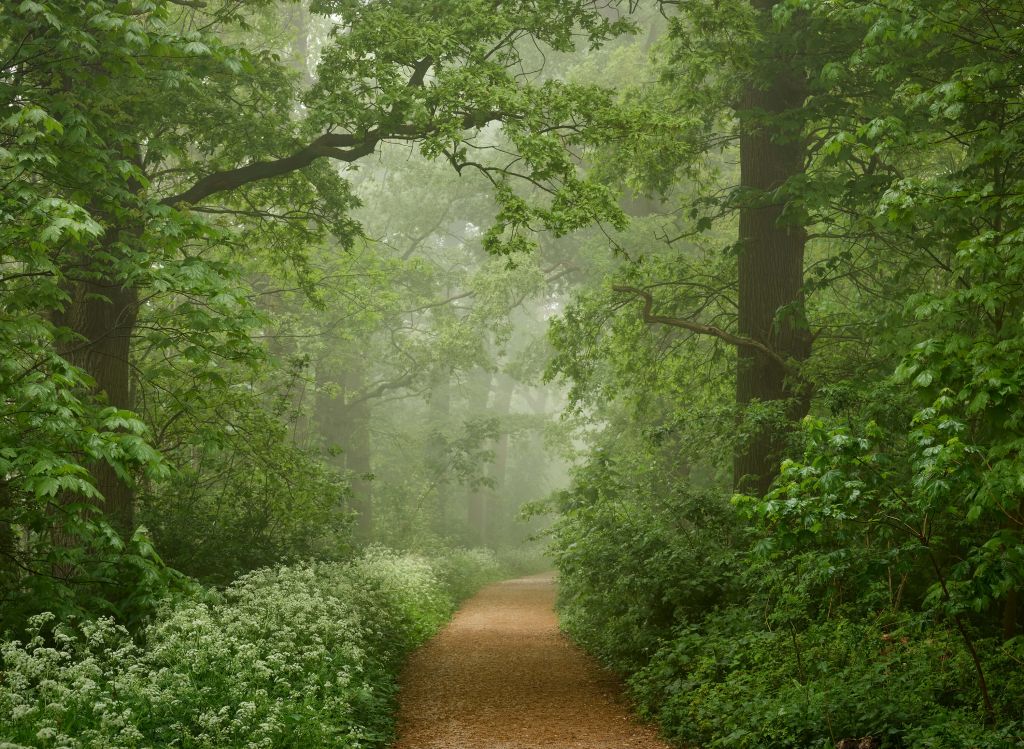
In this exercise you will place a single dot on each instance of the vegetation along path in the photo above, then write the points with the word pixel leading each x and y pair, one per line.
pixel 501 676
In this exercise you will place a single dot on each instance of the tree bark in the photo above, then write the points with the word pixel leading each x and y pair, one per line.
pixel 8 538
pixel 1010 614
pixel 358 451
pixel 343 422
pixel 440 409
pixel 771 259
pixel 476 508
pixel 499 469
pixel 359 461
pixel 102 314
pixel 358 455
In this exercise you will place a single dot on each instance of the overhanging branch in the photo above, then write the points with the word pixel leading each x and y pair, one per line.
pixel 338 146
pixel 346 147
pixel 341 146
pixel 700 328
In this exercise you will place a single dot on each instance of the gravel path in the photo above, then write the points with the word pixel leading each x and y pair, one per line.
pixel 501 676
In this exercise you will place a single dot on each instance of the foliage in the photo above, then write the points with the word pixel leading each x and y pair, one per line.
pixel 875 589
pixel 205 330
pixel 465 571
pixel 186 281
pixel 304 655
pixel 75 116
pixel 244 495
pixel 620 599
pixel 733 682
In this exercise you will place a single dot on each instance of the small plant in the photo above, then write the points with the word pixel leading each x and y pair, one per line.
pixel 298 656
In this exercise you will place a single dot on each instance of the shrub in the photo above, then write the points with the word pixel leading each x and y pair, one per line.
pixel 298 656
pixel 464 571
pixel 633 566
pixel 728 646
pixel 733 683
pixel 521 561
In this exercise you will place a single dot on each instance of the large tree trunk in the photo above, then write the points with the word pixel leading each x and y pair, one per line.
pixel 8 538
pixel 1010 607
pixel 102 315
pixel 771 261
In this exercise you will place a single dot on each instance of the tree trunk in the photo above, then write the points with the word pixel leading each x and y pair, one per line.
pixel 357 450
pixel 359 462
pixel 299 22
pixel 343 423
pixel 103 314
pixel 1010 607
pixel 771 258
pixel 499 469
pixel 440 409
pixel 476 506
pixel 8 538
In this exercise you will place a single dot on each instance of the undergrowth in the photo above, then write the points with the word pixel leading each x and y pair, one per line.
pixel 305 655
pixel 723 646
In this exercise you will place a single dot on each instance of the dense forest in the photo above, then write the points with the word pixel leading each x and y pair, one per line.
pixel 317 316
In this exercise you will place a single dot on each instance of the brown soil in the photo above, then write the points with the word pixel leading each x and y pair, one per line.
pixel 501 676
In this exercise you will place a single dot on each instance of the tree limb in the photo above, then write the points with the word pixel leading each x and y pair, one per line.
pixel 328 145
pixel 382 388
pixel 338 146
pixel 700 328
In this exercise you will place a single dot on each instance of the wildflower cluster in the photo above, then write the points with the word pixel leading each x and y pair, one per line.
pixel 298 656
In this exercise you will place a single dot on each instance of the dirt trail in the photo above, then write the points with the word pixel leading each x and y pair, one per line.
pixel 501 676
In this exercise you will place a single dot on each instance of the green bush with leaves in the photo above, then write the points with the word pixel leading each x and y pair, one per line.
pixel 854 599
pixel 297 656
pixel 732 682
pixel 464 571
pixel 637 556
pixel 733 643
pixel 523 560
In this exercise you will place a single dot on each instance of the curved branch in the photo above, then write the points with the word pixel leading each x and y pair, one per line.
pixel 382 388
pixel 700 328
pixel 337 146
pixel 328 145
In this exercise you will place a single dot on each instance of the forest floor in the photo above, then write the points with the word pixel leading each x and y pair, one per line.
pixel 502 676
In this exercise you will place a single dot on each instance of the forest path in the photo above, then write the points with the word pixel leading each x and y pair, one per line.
pixel 501 676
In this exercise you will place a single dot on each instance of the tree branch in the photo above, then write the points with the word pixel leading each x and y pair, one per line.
pixel 700 328
pixel 328 145
pixel 382 388
pixel 339 146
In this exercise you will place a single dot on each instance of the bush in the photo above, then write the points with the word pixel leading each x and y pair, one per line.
pixel 299 656
pixel 633 566
pixel 730 637
pixel 465 571
pixel 520 561
pixel 728 646
pixel 731 682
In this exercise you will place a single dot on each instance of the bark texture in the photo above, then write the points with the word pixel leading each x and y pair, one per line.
pixel 771 258
pixel 499 469
pixel 359 455
pixel 476 507
pixel 102 315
